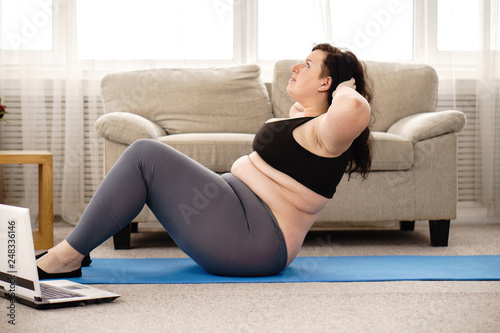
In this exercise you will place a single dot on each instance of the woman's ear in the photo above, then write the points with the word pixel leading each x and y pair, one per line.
pixel 327 83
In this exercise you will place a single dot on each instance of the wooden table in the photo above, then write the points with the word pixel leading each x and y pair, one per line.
pixel 43 237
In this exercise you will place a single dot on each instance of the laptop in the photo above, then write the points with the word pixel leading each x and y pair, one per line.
pixel 19 276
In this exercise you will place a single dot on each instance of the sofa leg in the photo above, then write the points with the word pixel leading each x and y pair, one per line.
pixel 440 231
pixel 122 238
pixel 406 225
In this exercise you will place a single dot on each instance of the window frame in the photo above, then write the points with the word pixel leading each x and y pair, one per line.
pixel 450 64
pixel 245 44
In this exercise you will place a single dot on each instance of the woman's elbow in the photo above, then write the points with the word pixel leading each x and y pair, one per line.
pixel 360 109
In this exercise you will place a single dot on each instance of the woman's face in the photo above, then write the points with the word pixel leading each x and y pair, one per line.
pixel 306 81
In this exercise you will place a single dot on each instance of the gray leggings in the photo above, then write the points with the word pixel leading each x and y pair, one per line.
pixel 216 220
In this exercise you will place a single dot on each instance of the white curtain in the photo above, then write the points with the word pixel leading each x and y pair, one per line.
pixel 488 105
pixel 47 94
pixel 56 100
pixel 485 75
pixel 53 97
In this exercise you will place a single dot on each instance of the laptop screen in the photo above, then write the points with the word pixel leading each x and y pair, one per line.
pixel 18 273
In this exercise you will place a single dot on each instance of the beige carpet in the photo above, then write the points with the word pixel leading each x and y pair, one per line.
pixel 298 307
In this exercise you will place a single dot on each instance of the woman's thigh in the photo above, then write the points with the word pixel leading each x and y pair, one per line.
pixel 225 231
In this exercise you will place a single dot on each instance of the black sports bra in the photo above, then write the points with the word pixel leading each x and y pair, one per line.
pixel 276 145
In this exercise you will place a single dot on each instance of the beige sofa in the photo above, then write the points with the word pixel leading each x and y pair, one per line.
pixel 212 114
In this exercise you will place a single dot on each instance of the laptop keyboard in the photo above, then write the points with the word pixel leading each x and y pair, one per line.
pixel 51 292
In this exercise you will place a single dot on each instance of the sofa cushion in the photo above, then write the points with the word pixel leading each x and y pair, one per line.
pixel 391 152
pixel 216 151
pixel 282 101
pixel 192 100
pixel 399 90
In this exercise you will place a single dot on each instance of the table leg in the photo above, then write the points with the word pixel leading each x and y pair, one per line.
pixel 44 238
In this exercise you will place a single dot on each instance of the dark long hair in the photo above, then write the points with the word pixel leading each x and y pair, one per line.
pixel 342 65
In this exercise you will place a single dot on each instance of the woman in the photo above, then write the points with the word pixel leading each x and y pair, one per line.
pixel 252 221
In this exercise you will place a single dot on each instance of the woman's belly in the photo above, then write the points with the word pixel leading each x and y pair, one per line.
pixel 295 206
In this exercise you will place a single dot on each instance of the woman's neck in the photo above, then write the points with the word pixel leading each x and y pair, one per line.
pixel 316 110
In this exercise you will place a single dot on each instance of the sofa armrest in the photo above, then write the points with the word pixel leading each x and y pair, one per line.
pixel 125 127
pixel 422 126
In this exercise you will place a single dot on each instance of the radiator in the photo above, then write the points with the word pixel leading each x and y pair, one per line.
pixel 469 151
pixel 14 176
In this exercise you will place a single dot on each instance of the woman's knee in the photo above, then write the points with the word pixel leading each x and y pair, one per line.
pixel 142 144
pixel 145 147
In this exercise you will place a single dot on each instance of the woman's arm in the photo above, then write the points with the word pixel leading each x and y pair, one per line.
pixel 347 117
pixel 296 110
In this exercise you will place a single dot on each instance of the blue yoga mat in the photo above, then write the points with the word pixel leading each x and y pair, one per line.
pixel 302 269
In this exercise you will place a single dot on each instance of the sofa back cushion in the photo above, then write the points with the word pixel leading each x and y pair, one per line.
pixel 399 90
pixel 192 100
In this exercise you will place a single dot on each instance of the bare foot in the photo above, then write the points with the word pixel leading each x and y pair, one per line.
pixel 61 258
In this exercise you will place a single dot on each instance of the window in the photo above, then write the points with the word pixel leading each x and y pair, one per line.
pixel 458 25
pixel 26 25
pixel 155 29
pixel 287 29
pixel 383 30
pixel 201 32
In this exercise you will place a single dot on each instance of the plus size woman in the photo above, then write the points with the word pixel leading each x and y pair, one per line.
pixel 254 219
